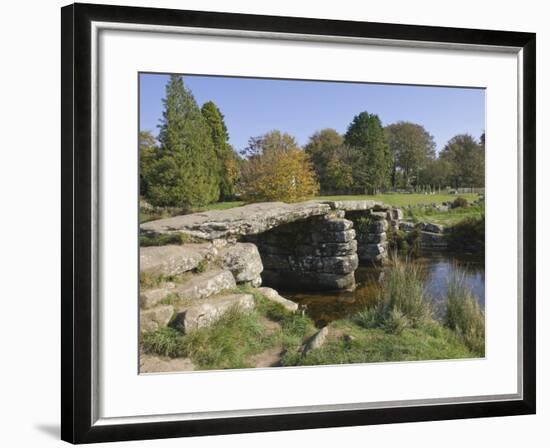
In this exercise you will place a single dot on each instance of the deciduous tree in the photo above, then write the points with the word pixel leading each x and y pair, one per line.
pixel 411 147
pixel 329 155
pixel 466 158
pixel 277 170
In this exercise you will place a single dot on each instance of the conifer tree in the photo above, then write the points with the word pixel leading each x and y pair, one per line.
pixel 186 173
pixel 228 164
pixel 366 136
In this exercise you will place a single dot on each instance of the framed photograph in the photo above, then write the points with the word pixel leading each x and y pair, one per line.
pixel 276 223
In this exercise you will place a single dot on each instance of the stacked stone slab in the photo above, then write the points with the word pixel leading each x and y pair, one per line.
pixel 373 244
pixel 316 253
pixel 372 238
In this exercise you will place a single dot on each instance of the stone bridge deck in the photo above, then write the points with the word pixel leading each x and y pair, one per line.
pixel 251 219
pixel 311 244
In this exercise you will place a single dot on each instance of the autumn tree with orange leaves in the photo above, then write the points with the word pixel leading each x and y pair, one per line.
pixel 277 169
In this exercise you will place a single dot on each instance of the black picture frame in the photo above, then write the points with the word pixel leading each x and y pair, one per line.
pixel 76 280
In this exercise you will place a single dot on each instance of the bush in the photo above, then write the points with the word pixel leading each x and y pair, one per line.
pixel 362 224
pixel 404 242
pixel 467 235
pixel 464 315
pixel 459 202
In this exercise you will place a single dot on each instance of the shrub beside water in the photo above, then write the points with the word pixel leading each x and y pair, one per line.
pixel 467 235
pixel 401 242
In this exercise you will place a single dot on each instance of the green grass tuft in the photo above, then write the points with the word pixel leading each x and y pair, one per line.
pixel 403 293
pixel 228 342
pixel 464 315
pixel 166 341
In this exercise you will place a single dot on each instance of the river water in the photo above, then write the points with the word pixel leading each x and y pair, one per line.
pixel 437 268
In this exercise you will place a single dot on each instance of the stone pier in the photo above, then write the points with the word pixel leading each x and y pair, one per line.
pixel 318 253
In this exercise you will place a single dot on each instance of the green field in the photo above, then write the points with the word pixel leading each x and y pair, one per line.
pixel 448 218
pixel 402 199
pixel 395 199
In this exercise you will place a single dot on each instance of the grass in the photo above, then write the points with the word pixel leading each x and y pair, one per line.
pixel 165 341
pixel 222 205
pixel 357 345
pixel 162 239
pixel 402 199
pixel 399 328
pixel 448 218
pixel 464 315
pixel 393 199
pixel 403 298
pixel 231 341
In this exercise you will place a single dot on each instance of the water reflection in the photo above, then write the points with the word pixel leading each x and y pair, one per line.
pixel 438 268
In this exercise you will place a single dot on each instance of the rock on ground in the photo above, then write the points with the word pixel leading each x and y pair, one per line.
pixel 431 227
pixel 349 206
pixel 271 294
pixel 172 259
pixel 206 311
pixel 154 318
pixel 199 286
pixel 244 262
pixel 150 297
pixel 430 240
pixel 317 340
pixel 205 285
pixel 406 226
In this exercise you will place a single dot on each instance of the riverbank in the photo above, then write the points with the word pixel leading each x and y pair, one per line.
pixel 400 326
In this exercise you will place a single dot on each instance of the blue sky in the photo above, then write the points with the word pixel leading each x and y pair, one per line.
pixel 254 106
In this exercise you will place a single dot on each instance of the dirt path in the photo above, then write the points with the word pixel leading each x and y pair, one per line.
pixel 154 364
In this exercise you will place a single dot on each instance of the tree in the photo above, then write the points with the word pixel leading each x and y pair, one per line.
pixel 466 158
pixel 338 175
pixel 277 170
pixel 411 147
pixel 366 136
pixel 228 166
pixel 186 172
pixel 272 141
pixel 329 155
pixel 436 173
pixel 147 155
